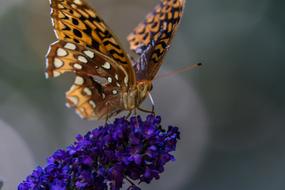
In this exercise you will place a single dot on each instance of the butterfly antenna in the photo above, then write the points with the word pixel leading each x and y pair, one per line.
pixel 181 70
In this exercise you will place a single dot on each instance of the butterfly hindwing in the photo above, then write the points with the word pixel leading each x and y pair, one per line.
pixel 99 79
pixel 74 21
pixel 90 100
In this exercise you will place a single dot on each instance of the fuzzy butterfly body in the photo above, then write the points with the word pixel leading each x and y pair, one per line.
pixel 106 80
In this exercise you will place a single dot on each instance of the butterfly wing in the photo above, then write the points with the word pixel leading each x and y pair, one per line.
pixel 98 83
pixel 74 21
pixel 151 38
pixel 88 48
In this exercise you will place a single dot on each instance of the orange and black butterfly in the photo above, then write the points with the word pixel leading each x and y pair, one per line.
pixel 107 81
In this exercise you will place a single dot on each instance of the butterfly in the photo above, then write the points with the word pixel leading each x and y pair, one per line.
pixel 107 81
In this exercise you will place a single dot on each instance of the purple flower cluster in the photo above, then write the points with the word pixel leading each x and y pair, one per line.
pixel 131 151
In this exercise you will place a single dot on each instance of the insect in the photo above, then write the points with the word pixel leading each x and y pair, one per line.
pixel 107 80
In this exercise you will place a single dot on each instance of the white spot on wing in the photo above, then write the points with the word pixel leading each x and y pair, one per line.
pixel 110 79
pixel 87 91
pixel 74 100
pixel 46 75
pixel 77 66
pixel 78 2
pixel 126 80
pixel 61 52
pixel 74 6
pixel 60 6
pixel 115 92
pixel 92 103
pixel 116 77
pixel 82 59
pixel 106 65
pixel 73 87
pixel 56 73
pixel 70 46
pixel 89 53
pixel 57 63
pixel 79 80
pixel 79 113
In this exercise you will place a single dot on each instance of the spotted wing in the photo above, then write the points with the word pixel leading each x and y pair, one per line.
pixel 98 82
pixel 74 21
pixel 152 37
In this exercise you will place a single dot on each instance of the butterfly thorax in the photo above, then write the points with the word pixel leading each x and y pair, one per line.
pixel 134 97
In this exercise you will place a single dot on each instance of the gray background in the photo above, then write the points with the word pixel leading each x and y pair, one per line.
pixel 230 111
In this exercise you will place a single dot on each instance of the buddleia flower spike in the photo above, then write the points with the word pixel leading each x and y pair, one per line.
pixel 124 152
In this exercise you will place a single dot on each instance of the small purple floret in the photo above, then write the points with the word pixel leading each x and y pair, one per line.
pixel 108 156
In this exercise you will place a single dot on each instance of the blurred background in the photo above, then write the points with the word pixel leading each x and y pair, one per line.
pixel 231 111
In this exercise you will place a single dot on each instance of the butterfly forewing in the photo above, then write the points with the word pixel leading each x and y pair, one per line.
pixel 99 79
pixel 74 21
pixel 152 37
pixel 163 19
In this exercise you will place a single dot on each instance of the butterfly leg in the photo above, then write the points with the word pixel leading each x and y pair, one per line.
pixel 129 114
pixel 135 113
pixel 107 115
pixel 106 120
pixel 152 109
pixel 152 106
pixel 145 110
